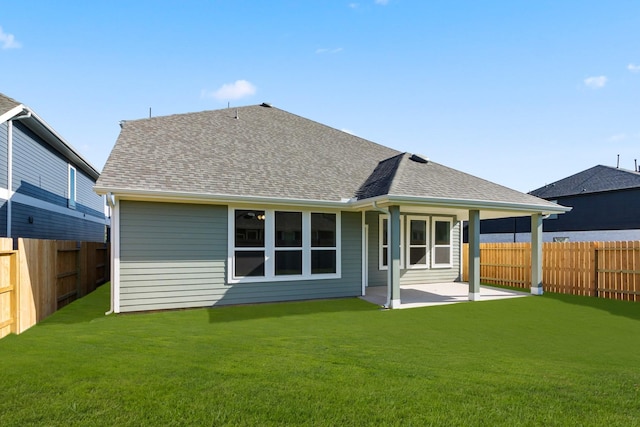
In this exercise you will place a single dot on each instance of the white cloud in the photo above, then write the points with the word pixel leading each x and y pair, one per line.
pixel 633 68
pixel 595 82
pixel 8 41
pixel 238 89
pixel 323 50
pixel 354 5
pixel 382 2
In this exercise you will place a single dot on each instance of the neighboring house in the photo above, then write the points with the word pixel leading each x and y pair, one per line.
pixel 256 204
pixel 46 187
pixel 605 202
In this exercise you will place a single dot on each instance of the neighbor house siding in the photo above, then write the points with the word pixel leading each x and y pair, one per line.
pixel 47 224
pixel 172 255
pixel 42 175
pixel 377 277
pixel 88 201
pixel 38 171
pixel 4 133
pixel 3 217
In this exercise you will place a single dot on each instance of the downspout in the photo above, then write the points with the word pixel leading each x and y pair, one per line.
pixel 9 174
pixel 375 206
pixel 111 201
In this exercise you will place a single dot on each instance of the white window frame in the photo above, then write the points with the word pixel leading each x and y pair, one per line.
pixel 424 219
pixel 434 246
pixel 381 247
pixel 72 189
pixel 270 249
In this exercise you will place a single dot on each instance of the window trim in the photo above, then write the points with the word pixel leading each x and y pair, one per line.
pixel 71 201
pixel 433 242
pixel 426 245
pixel 270 248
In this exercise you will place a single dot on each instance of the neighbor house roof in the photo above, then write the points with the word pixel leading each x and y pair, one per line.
pixel 12 109
pixel 594 180
pixel 264 152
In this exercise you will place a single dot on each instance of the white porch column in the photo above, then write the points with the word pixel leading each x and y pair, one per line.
pixel 536 254
pixel 394 256
pixel 474 255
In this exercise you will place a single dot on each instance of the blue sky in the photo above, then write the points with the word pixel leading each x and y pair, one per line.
pixel 522 93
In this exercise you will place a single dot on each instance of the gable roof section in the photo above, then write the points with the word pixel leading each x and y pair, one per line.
pixel 262 152
pixel 594 180
pixel 10 108
pixel 265 152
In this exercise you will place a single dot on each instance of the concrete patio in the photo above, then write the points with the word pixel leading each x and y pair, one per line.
pixel 412 296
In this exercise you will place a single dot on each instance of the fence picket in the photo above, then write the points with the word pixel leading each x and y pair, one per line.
pixel 599 269
pixel 46 274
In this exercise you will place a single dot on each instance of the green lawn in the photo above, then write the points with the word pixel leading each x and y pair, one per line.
pixel 550 360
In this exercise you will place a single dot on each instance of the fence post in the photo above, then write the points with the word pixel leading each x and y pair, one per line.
pixel 594 248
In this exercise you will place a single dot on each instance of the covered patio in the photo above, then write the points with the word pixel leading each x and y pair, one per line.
pixel 424 295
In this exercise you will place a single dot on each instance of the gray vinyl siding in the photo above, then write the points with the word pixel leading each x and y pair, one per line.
pixel 175 256
pixel 4 133
pixel 171 255
pixel 377 277
pixel 48 224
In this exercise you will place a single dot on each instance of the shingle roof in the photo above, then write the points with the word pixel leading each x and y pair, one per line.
pixel 268 152
pixel 594 180
pixel 7 103
pixel 265 152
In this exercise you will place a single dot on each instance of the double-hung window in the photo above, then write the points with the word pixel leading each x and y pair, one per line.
pixel 417 241
pixel 442 249
pixel 323 243
pixel 276 245
pixel 288 243
pixel 249 253
pixel 384 242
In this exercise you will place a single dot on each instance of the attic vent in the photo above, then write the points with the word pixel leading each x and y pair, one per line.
pixel 265 104
pixel 418 159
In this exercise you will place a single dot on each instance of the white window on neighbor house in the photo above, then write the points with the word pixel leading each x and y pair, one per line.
pixel 442 252
pixel 279 245
pixel 383 245
pixel 417 242
pixel 71 187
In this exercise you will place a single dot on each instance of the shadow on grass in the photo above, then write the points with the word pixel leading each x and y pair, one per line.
pixel 231 313
pixel 627 309
pixel 90 307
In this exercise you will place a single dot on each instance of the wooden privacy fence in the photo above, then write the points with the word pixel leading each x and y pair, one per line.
pixel 42 276
pixel 600 269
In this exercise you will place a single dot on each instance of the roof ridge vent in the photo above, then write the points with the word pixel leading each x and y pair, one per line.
pixel 265 104
pixel 418 159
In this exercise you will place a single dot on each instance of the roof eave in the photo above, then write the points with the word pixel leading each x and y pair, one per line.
pixel 185 197
pixel 46 132
pixel 470 204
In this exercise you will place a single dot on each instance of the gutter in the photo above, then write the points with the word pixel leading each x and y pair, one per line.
pixel 174 196
pixel 543 208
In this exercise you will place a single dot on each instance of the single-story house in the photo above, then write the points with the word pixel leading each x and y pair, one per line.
pixel 605 204
pixel 256 204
